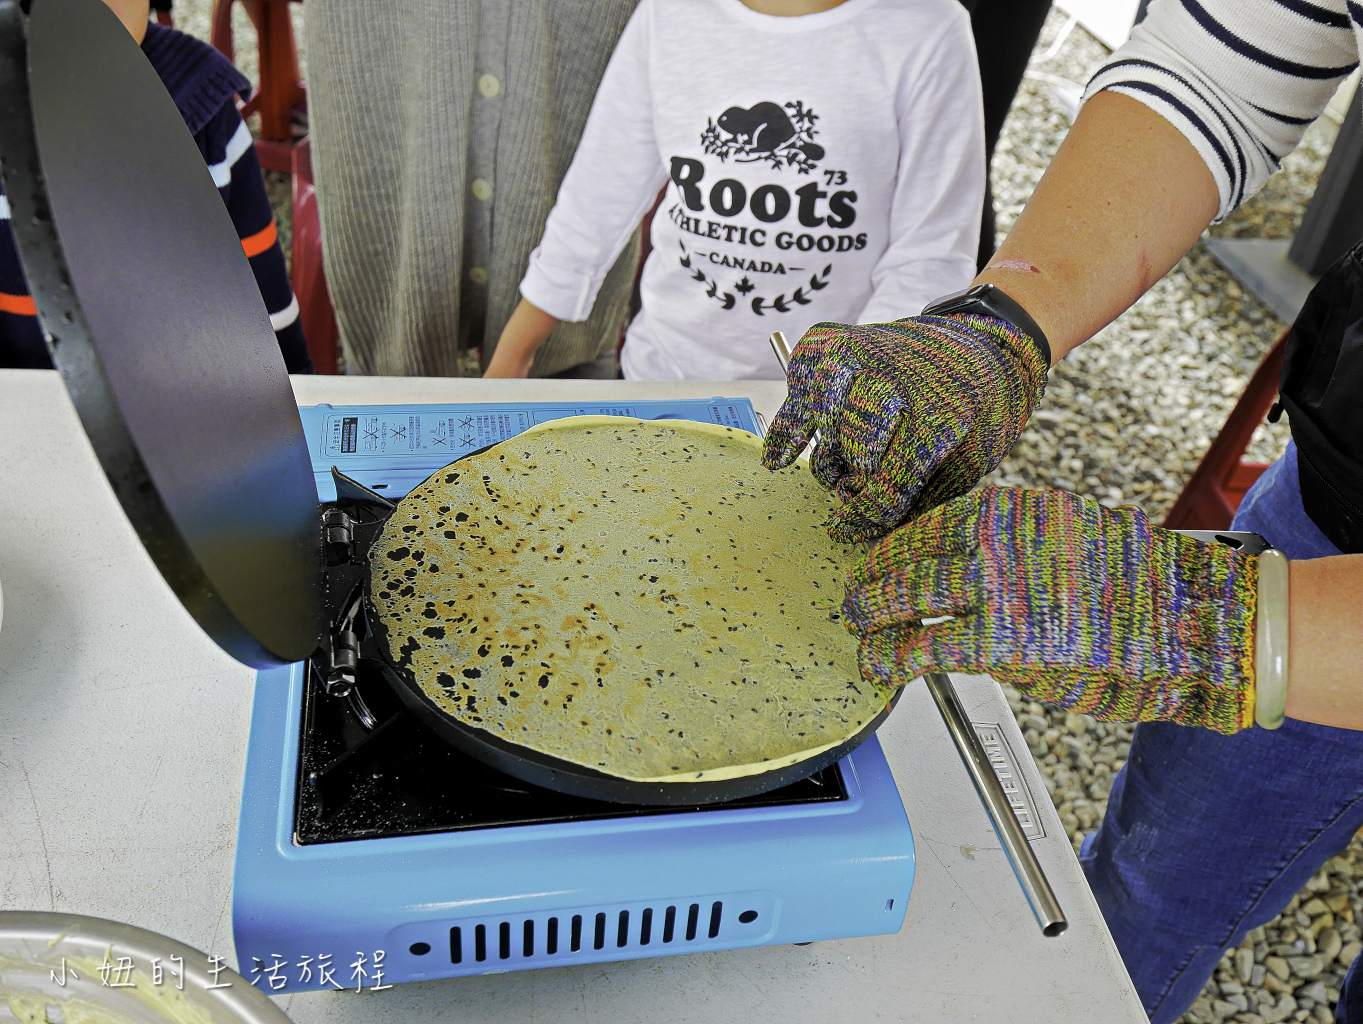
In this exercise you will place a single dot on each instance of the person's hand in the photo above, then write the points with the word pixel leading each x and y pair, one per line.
pixel 1072 603
pixel 526 330
pixel 506 363
pixel 909 413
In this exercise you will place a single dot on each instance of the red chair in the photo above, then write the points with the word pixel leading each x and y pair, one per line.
pixel 1214 491
pixel 282 98
pixel 309 280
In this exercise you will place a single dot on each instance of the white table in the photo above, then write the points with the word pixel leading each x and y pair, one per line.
pixel 123 739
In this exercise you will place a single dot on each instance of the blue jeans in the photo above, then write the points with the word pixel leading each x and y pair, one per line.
pixel 1206 836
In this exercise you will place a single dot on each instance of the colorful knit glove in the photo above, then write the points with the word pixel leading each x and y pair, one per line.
pixel 1078 605
pixel 910 413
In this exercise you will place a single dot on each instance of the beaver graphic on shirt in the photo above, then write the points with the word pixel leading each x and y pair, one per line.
pixel 781 135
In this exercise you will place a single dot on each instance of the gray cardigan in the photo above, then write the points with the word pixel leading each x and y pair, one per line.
pixel 440 132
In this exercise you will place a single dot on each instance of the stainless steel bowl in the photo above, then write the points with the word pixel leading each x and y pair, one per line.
pixel 38 951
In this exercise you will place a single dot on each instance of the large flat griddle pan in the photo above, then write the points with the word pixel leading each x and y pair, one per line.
pixel 154 319
pixel 564 776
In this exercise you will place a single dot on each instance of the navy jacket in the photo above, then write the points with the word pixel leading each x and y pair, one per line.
pixel 204 85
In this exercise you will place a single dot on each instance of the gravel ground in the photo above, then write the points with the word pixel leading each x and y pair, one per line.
pixel 1127 417
pixel 1125 420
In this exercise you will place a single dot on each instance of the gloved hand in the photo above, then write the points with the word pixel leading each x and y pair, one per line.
pixel 910 413
pixel 1072 603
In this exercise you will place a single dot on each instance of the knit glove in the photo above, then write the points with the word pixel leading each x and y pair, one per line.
pixel 910 413
pixel 1072 603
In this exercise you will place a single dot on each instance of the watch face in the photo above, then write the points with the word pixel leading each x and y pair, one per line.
pixel 958 302
pixel 946 304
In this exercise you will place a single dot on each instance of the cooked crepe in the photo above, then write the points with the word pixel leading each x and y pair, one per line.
pixel 637 597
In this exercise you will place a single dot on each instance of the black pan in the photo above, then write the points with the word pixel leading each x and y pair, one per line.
pixel 554 773
pixel 156 323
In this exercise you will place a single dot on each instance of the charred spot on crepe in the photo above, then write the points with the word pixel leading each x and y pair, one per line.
pixel 708 647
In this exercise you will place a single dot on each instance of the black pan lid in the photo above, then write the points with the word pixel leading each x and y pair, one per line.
pixel 155 321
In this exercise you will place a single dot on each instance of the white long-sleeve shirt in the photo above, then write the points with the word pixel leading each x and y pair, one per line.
pixel 823 167
pixel 1240 79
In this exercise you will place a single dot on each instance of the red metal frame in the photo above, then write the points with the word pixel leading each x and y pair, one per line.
pixel 309 280
pixel 282 92
pixel 1213 492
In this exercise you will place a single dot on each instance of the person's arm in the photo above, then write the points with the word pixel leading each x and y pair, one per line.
pixel 1199 107
pixel 1325 634
pixel 1095 610
pixel 134 15
pixel 1183 124
pixel 610 185
pixel 1125 197
pixel 226 145
pixel 521 338
pixel 939 185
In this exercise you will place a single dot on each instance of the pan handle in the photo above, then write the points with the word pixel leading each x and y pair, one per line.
pixel 1035 886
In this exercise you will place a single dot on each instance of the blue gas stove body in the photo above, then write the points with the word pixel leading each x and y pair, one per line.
pixel 481 900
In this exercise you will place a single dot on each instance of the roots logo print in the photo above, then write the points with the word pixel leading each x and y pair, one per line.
pixel 783 136
pixel 817 282
pixel 759 304
pixel 725 299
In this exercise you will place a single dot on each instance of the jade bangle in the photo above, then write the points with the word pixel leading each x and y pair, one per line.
pixel 1270 647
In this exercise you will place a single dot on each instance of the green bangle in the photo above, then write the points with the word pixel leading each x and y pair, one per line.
pixel 1270 646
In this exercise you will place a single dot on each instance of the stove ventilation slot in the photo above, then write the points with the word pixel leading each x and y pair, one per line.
pixel 604 932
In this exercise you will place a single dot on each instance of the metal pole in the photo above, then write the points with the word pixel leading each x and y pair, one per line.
pixel 1026 867
pixel 781 348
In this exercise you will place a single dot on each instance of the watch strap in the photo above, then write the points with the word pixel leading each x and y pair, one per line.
pixel 991 300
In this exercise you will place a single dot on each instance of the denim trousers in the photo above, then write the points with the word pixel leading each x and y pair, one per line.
pixel 1206 836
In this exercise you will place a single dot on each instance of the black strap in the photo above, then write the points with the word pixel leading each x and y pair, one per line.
pixel 992 300
pixel 1320 390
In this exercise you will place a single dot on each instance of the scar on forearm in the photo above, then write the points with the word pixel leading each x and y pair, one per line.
pixel 1147 275
pixel 1030 268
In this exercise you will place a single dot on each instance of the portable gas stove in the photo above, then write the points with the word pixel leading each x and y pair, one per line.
pixel 361 830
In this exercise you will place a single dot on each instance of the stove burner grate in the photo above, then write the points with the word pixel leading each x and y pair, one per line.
pixel 399 778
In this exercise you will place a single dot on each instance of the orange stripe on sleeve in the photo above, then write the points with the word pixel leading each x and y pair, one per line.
pixel 260 241
pixel 20 305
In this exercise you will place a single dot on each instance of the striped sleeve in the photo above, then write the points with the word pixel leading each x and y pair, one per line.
pixel 231 157
pixel 1240 79
pixel 21 338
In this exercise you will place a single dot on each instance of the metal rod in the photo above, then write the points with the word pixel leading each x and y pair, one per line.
pixel 1033 880
pixel 1001 814
pixel 782 350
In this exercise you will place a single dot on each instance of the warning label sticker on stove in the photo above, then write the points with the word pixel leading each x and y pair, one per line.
pixel 349 433
pixel 445 433
pixel 543 414
pixel 730 416
pixel 397 434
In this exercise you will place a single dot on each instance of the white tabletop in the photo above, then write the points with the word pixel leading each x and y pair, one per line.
pixel 123 739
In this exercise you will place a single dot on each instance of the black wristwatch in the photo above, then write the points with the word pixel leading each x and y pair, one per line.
pixel 991 300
